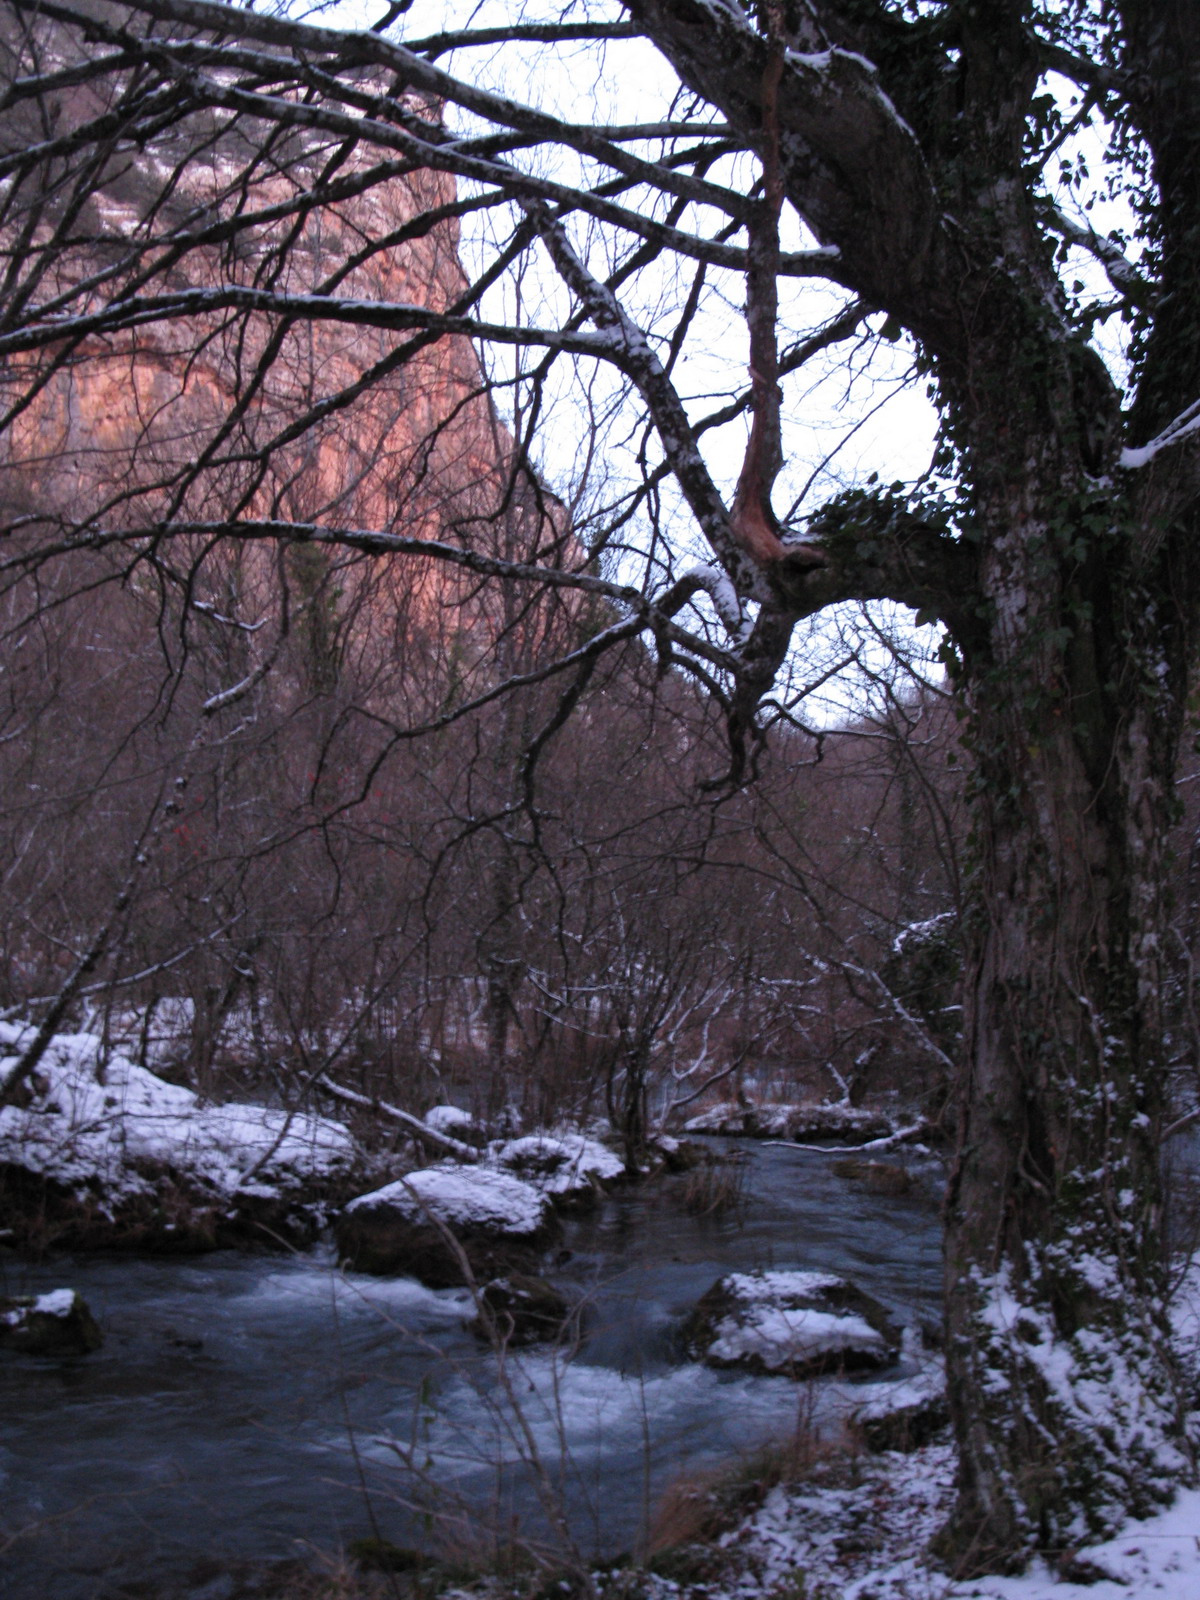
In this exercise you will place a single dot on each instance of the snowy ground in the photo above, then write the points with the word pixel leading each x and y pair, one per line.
pixel 863 1541
pixel 857 1526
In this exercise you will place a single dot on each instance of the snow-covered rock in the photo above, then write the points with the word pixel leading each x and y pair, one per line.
pixel 797 1324
pixel 54 1324
pixel 905 1415
pixel 103 1152
pixel 459 1124
pixel 441 1222
pixel 841 1123
pixel 569 1168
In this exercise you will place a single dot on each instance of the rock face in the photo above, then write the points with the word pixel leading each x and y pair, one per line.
pixel 568 1168
pixel 841 1123
pixel 797 1324
pixel 54 1324
pixel 444 1222
pixel 103 1154
pixel 521 1310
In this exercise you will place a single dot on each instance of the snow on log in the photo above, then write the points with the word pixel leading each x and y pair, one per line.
pixel 850 1124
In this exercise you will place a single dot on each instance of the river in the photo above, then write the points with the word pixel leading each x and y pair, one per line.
pixel 250 1407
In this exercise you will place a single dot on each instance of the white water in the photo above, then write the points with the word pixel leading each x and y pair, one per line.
pixel 320 1407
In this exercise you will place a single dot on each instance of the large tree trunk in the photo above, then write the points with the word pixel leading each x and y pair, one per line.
pixel 1066 1405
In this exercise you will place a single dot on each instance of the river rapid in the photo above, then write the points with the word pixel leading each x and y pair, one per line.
pixel 253 1407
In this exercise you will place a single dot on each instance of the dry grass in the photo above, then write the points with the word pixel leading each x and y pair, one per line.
pixel 697 1507
pixel 714 1189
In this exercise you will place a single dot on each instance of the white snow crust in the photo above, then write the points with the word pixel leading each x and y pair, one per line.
pixel 57 1303
pixel 752 1286
pixel 462 1197
pixel 559 1163
pixel 79 1130
pixel 866 1543
pixel 778 1336
pixel 448 1119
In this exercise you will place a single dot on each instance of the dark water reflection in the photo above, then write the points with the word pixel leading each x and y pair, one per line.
pixel 243 1407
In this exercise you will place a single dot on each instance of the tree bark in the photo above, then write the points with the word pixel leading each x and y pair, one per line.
pixel 1067 1409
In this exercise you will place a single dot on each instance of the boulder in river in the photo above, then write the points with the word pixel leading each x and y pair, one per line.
pixel 521 1310
pixel 907 1415
pixel 568 1168
pixel 798 1324
pixel 447 1223
pixel 54 1324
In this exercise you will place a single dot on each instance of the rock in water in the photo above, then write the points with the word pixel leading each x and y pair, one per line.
pixel 521 1310
pixel 568 1168
pixel 907 1415
pixel 445 1222
pixel 54 1324
pixel 798 1324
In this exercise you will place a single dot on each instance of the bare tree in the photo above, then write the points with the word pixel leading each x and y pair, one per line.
pixel 150 149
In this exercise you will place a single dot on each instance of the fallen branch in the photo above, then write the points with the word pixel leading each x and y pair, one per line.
pixel 1180 1123
pixel 901 1136
pixel 418 1129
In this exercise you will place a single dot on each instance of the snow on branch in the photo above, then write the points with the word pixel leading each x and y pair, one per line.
pixel 1184 425
pixel 419 1130
pixel 1122 274
pixel 726 603
pixel 631 352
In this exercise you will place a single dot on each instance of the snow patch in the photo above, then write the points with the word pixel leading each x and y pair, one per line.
pixel 779 1336
pixel 448 1119
pixel 559 1163
pixel 97 1118
pixel 462 1197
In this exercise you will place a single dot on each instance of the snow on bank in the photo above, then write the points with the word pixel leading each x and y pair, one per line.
pixel 857 1529
pixel 864 1543
pixel 784 1120
pixel 96 1119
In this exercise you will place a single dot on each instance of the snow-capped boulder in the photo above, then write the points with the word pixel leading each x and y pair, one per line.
pixel 569 1168
pixel 841 1123
pixel 439 1223
pixel 54 1324
pixel 798 1324
pixel 103 1153
pixel 454 1122
pixel 906 1415
pixel 520 1310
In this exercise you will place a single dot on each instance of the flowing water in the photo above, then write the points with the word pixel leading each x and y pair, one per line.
pixel 247 1407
